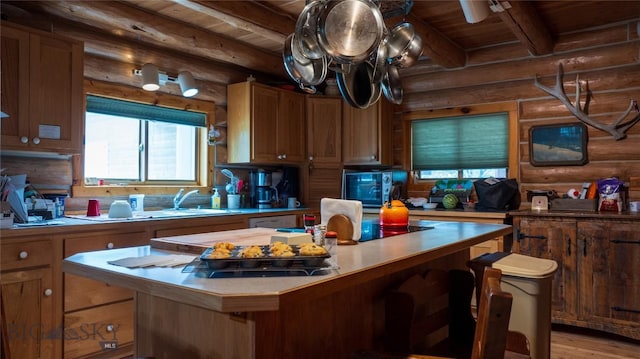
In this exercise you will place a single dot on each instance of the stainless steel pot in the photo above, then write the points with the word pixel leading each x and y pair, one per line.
pixel 404 45
pixel 349 30
pixel 391 85
pixel 306 72
pixel 306 30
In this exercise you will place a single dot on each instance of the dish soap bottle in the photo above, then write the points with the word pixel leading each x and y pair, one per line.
pixel 215 199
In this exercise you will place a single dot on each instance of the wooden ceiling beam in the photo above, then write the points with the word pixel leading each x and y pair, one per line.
pixel 247 15
pixel 525 23
pixel 439 48
pixel 149 28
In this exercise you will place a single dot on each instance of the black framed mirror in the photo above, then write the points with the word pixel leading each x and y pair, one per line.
pixel 558 145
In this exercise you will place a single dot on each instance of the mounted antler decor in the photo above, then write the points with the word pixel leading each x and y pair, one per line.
pixel 617 129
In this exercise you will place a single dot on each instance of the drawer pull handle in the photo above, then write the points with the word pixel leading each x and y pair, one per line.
pixel 110 245
pixel 621 309
pixel 110 328
pixel 23 255
pixel 617 241
pixel 24 139
pixel 36 140
pixel 48 292
pixel 523 236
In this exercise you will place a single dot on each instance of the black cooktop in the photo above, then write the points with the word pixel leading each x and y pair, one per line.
pixel 371 230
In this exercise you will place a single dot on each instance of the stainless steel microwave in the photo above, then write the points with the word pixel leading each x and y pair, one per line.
pixel 372 188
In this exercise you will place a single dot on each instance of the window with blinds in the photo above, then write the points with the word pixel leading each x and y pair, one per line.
pixel 461 147
pixel 128 142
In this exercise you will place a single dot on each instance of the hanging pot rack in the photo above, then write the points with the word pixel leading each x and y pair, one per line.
pixel 350 35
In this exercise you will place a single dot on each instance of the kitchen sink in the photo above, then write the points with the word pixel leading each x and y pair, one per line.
pixel 185 212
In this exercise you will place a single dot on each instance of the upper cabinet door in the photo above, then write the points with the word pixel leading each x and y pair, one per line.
pixel 15 86
pixel 56 80
pixel 290 128
pixel 324 125
pixel 265 125
pixel 366 138
pixel 42 77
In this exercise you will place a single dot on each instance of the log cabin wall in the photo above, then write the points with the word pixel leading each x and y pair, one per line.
pixel 608 57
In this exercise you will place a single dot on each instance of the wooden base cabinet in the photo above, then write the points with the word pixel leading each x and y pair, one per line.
pixel 31 326
pixel 98 318
pixel 597 284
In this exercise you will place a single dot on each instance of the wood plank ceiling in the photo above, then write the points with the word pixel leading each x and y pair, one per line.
pixel 225 41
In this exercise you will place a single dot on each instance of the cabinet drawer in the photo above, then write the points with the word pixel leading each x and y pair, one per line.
pixel 80 292
pixel 104 240
pixel 27 254
pixel 87 331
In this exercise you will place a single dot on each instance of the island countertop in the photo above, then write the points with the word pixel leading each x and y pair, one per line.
pixel 358 264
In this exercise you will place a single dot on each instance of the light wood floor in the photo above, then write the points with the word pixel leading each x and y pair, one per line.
pixel 570 343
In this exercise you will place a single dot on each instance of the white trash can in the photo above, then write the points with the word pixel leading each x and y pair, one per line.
pixel 529 280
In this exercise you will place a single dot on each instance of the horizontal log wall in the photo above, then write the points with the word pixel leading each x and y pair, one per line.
pixel 607 57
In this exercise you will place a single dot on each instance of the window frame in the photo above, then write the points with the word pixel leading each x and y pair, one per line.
pixel 204 154
pixel 511 108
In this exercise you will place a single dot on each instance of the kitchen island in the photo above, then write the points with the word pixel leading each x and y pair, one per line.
pixel 328 315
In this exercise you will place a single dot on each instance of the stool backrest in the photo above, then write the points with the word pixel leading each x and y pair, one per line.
pixel 490 338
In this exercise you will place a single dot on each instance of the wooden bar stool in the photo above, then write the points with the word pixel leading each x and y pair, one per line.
pixel 419 312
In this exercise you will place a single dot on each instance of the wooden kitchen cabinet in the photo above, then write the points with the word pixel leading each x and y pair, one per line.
pixel 31 322
pixel 597 284
pixel 322 176
pixel 265 125
pixel 553 239
pixel 609 282
pixel 42 79
pixel 95 313
pixel 366 134
pixel 324 124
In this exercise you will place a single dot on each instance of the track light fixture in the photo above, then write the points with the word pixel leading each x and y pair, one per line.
pixel 187 84
pixel 152 79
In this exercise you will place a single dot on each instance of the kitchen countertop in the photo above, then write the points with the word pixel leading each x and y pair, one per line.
pixel 445 213
pixel 358 264
pixel 63 224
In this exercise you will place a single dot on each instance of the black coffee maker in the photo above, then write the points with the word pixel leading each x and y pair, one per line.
pixel 261 191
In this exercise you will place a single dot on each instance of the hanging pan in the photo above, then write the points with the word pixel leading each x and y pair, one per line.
pixel 392 86
pixel 306 29
pixel 349 30
pixel 356 86
pixel 306 72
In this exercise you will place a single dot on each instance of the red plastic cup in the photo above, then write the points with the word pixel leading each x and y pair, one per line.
pixel 93 209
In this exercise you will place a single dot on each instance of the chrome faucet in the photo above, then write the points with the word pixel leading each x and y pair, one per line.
pixel 177 200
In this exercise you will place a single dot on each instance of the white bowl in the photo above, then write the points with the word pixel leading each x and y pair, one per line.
pixel 120 209
pixel 429 205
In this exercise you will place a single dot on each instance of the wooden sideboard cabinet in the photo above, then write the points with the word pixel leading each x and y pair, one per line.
pixel 597 284
pixel 42 91
pixel 366 134
pixel 98 317
pixel 264 124
pixel 31 326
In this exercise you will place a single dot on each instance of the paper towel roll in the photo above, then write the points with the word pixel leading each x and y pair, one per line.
pixel 352 209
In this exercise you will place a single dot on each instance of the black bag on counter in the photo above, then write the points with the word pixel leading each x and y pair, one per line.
pixel 497 194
